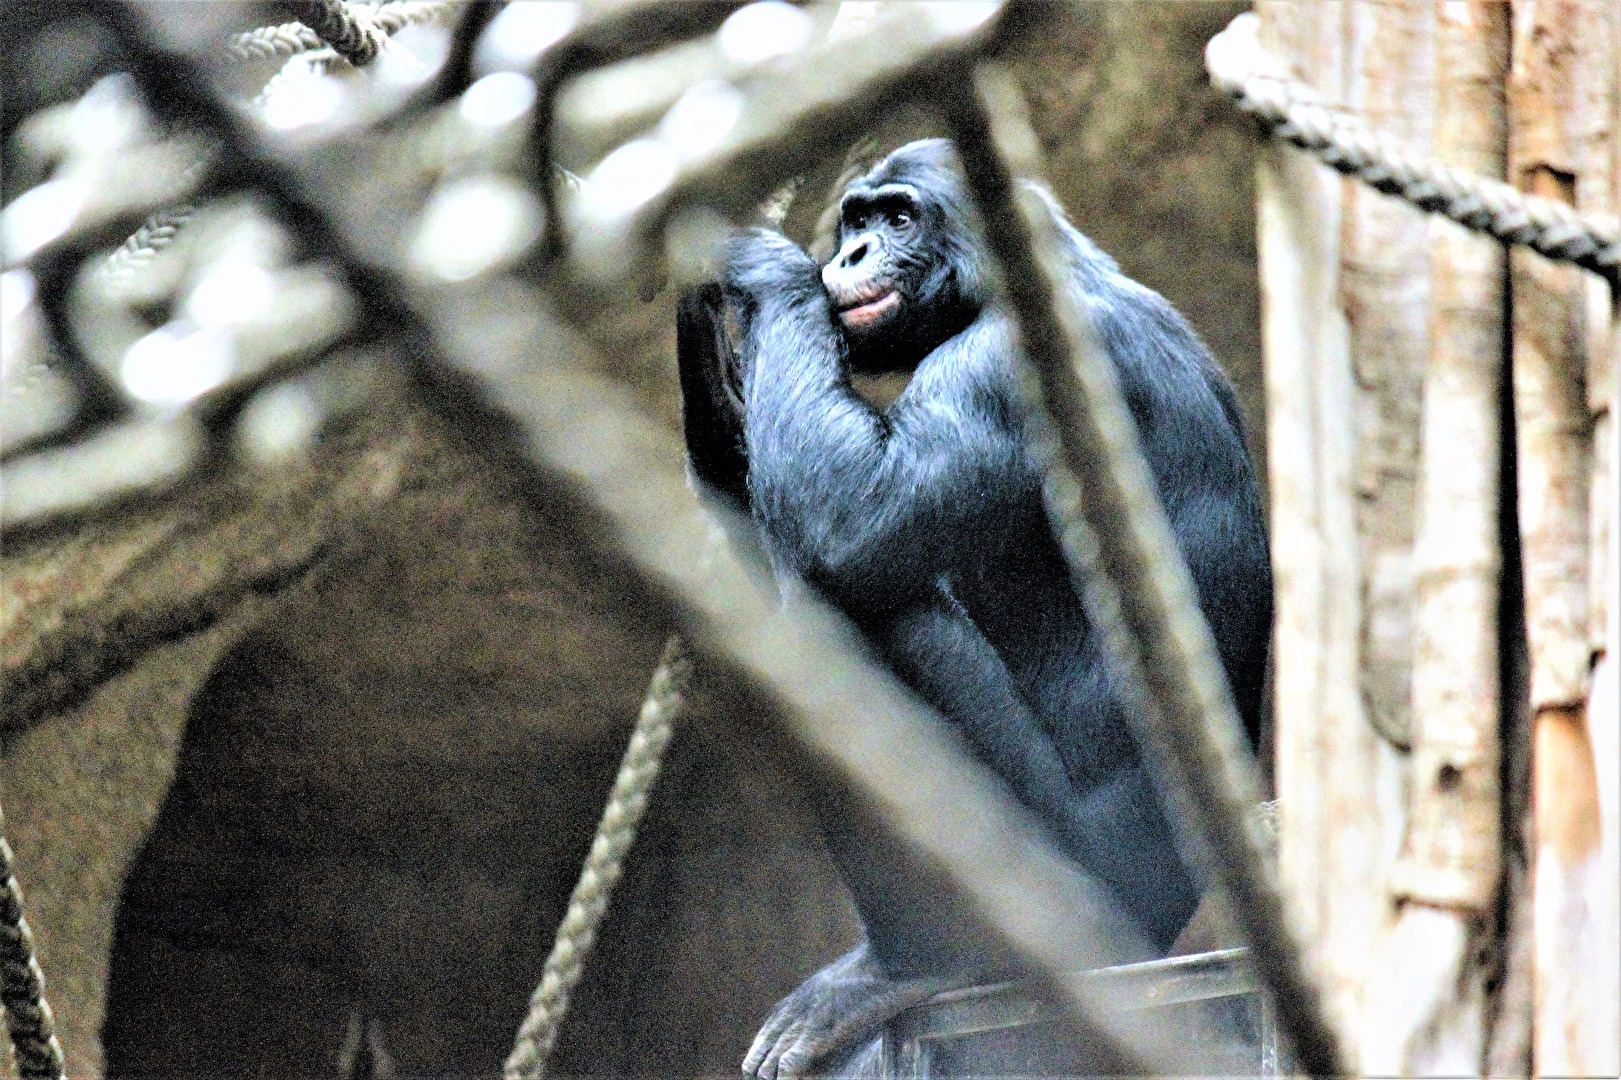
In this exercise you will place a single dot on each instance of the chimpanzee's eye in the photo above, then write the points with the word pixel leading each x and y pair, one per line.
pixel 900 219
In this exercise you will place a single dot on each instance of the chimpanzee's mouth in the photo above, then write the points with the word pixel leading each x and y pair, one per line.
pixel 869 312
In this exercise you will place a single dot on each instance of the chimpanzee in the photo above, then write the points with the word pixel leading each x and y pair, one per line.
pixel 925 523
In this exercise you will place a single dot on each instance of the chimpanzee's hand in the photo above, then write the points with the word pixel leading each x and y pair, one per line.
pixel 761 264
pixel 830 1012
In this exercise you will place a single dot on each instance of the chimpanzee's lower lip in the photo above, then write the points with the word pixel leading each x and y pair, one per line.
pixel 871 311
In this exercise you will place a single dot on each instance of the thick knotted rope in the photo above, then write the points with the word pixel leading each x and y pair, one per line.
pixel 361 27
pixel 350 32
pixel 639 770
pixel 22 984
pixel 285 39
pixel 1259 84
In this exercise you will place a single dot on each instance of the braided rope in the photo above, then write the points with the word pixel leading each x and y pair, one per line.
pixel 393 17
pixel 348 30
pixel 299 65
pixel 306 51
pixel 287 39
pixel 666 696
pixel 22 984
pixel 1259 84
pixel 290 39
pixel 145 243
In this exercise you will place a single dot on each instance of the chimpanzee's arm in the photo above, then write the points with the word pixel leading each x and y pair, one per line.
pixel 1192 437
pixel 847 491
pixel 711 405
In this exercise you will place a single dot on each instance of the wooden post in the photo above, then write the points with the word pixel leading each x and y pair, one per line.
pixel 1605 705
pixel 1338 781
pixel 1385 290
pixel 1604 712
pixel 1562 102
pixel 1429 979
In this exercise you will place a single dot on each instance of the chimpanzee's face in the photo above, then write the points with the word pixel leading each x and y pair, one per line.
pixel 906 276
pixel 875 273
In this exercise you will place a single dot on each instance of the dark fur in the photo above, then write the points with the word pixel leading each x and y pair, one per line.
pixel 925 521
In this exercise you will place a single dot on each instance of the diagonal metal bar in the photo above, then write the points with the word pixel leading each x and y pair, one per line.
pixel 1122 553
pixel 884 755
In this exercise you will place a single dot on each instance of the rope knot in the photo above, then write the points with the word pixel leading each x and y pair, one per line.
pixel 351 33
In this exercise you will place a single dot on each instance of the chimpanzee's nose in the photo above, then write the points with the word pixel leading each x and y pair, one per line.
pixel 854 252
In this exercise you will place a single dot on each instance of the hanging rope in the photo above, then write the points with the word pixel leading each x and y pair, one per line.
pixel 1259 84
pixel 22 984
pixel 638 772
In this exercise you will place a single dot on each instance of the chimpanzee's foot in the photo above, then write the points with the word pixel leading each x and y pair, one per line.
pixel 820 1028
